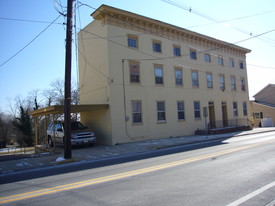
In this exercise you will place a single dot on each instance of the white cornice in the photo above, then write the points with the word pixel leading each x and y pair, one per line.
pixel 125 19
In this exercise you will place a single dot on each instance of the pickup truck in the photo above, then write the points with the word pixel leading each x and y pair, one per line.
pixel 80 134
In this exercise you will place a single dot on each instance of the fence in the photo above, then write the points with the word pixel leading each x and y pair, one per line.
pixel 244 122
pixel 17 150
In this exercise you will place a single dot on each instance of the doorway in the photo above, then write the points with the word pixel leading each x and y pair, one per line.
pixel 224 114
pixel 212 120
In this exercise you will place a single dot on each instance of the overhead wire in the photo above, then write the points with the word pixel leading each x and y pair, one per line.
pixel 18 52
pixel 234 19
pixel 58 3
pixel 192 10
pixel 265 67
pixel 28 20
pixel 76 41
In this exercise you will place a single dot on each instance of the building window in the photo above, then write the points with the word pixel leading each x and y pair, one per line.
pixel 157 46
pixel 197 110
pixel 233 83
pixel 161 111
pixel 241 65
pixel 207 58
pixel 158 74
pixel 257 115
pixel 178 77
pixel 134 72
pixel 193 54
pixel 244 109
pixel 136 112
pixel 222 82
pixel 231 63
pixel 176 51
pixel 181 115
pixel 132 41
pixel 243 84
pixel 235 109
pixel 209 80
pixel 220 61
pixel 195 78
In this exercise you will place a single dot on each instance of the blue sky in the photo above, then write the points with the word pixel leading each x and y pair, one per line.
pixel 43 60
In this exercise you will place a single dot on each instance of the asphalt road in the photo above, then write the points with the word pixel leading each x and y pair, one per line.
pixel 235 171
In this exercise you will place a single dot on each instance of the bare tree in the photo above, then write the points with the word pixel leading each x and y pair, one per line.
pixel 48 95
pixel 57 89
pixel 33 100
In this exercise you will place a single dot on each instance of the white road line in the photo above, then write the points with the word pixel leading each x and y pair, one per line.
pixel 252 194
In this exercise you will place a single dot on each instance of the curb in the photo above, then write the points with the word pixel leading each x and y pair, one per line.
pixel 66 161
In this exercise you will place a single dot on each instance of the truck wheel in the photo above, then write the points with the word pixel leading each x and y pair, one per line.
pixel 50 141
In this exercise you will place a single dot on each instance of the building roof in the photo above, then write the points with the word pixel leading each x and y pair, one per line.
pixel 264 103
pixel 267 94
pixel 105 12
pixel 269 86
pixel 59 109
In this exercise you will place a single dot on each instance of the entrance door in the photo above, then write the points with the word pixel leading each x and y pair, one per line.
pixel 224 114
pixel 212 120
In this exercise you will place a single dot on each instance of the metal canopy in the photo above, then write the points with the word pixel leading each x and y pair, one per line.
pixel 59 109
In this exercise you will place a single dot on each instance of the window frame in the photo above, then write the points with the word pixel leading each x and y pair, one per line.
pixel 161 113
pixel 220 60
pixel 231 63
pixel 197 109
pixel 180 110
pixel 241 64
pixel 207 57
pixel 243 86
pixel 235 109
pixel 130 43
pixel 134 113
pixel 222 83
pixel 195 81
pixel 257 115
pixel 207 80
pixel 178 81
pixel 245 109
pixel 193 54
pixel 177 50
pixel 155 47
pixel 132 77
pixel 160 68
pixel 233 84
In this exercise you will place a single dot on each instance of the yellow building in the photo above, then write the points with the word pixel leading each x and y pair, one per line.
pixel 159 80
pixel 263 107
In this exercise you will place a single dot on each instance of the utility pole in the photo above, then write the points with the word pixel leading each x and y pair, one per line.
pixel 68 68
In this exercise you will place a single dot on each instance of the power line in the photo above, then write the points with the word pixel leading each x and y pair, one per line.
pixel 179 5
pixel 265 67
pixel 29 42
pixel 29 20
pixel 234 19
pixel 254 36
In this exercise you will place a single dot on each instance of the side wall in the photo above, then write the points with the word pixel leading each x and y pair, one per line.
pixel 94 79
pixel 93 64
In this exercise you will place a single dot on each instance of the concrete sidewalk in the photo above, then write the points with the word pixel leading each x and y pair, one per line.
pixel 102 152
